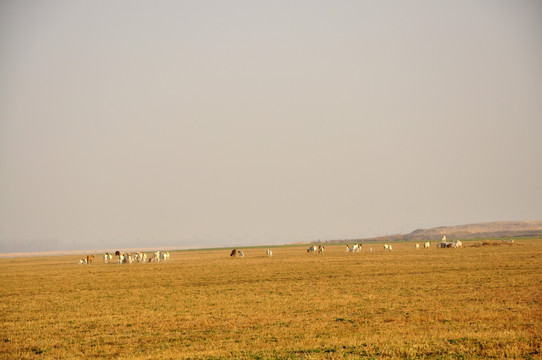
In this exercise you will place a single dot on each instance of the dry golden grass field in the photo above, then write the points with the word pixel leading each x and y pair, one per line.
pixel 467 303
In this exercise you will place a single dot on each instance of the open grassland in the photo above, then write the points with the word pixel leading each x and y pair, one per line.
pixel 472 302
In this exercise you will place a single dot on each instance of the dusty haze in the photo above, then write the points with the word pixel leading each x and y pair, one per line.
pixel 212 123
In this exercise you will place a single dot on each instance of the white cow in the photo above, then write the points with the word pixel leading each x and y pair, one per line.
pixel 427 245
pixel 269 252
pixel 121 258
pixel 82 261
pixel 240 254
pixel 107 258
pixel 387 247
pixel 125 258
pixel 164 255
pixel 457 244
pixel 417 246
pixel 155 257
pixel 140 257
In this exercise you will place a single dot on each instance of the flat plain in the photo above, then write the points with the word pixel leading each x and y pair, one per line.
pixel 475 302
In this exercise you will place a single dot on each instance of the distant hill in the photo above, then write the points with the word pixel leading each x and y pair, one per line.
pixel 497 229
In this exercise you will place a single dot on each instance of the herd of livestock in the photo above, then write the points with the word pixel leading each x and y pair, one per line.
pixel 128 258
pixel 157 256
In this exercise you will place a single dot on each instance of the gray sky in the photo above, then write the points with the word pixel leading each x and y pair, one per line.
pixel 218 123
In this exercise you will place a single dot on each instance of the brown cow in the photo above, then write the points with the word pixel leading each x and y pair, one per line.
pixel 233 252
pixel 90 258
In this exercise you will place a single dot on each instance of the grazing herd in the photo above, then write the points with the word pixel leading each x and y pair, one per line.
pixel 86 260
pixel 157 256
pixel 128 258
pixel 320 249
pixel 235 253
pixel 450 244
pixel 353 248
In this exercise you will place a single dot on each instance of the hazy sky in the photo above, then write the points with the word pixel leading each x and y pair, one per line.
pixel 218 123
